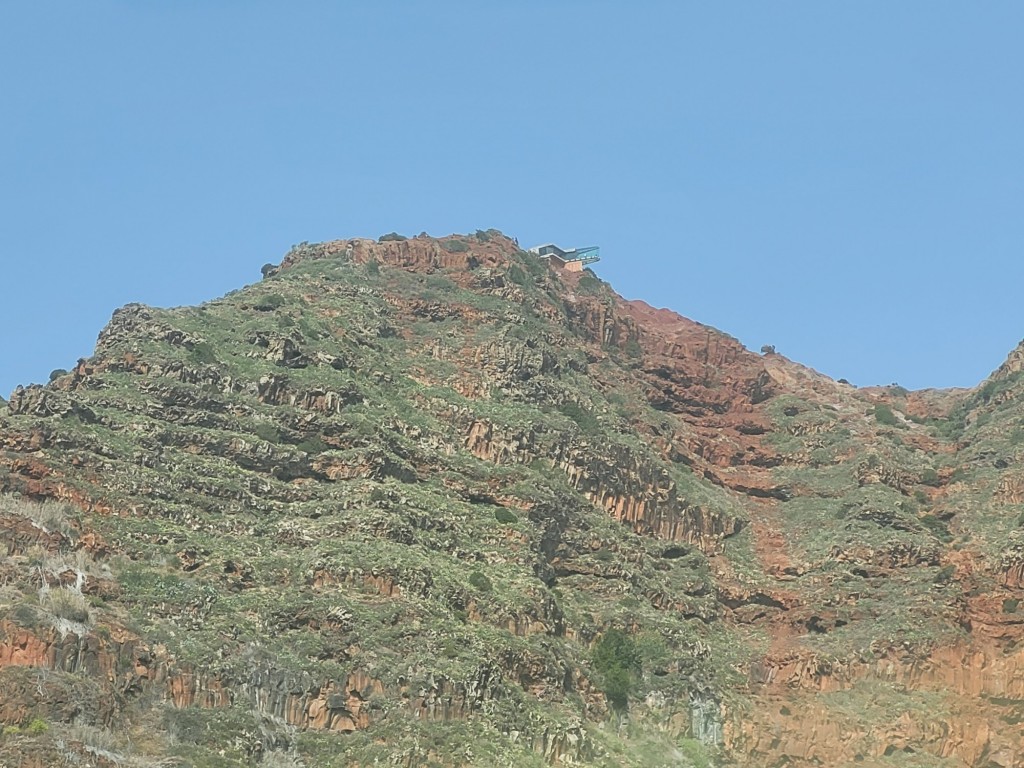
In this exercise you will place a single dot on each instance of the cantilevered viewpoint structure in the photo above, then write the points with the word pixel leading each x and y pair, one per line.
pixel 574 260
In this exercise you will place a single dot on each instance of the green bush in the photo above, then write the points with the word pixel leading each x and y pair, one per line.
pixel 945 574
pixel 24 616
pixel 517 275
pixel 455 246
pixel 930 477
pixel 696 753
pixel 38 726
pixel 480 581
pixel 652 651
pixel 884 415
pixel 505 516
pixel 1010 605
pixel 267 431
pixel 633 349
pixel 313 445
pixel 372 267
pixel 584 419
pixel 391 237
pixel 203 353
pixel 56 373
pixel 937 527
pixel 535 266
pixel 270 302
pixel 616 660
pixel 589 282
pixel 483 236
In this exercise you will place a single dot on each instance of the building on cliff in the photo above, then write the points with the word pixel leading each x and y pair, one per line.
pixel 574 260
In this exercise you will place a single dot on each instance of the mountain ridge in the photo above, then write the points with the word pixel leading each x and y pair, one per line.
pixel 423 491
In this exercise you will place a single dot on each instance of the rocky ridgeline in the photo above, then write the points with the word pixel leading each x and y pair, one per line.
pixel 418 500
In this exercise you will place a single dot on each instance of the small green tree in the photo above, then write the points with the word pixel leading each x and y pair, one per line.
pixel 616 660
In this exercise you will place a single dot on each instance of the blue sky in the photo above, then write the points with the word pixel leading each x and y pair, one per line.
pixel 844 181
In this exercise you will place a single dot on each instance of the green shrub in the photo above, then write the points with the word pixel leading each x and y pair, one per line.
pixel 696 753
pixel 480 581
pixel 24 616
pixel 930 477
pixel 589 282
pixel 535 266
pixel 372 267
pixel 517 275
pixel 945 574
pixel 455 246
pixel 937 527
pixel 56 373
pixel 38 726
pixel 270 302
pixel 584 419
pixel 1010 605
pixel 884 415
pixel 652 651
pixel 505 516
pixel 616 660
pixel 265 430
pixel 313 445
pixel 203 353
pixel 267 269
pixel 482 236
pixel 391 237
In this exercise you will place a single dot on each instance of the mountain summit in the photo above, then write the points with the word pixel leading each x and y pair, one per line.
pixel 442 502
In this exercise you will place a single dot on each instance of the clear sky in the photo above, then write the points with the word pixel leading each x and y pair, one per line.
pixel 842 180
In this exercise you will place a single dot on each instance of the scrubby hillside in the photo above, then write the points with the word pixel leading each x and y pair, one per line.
pixel 416 502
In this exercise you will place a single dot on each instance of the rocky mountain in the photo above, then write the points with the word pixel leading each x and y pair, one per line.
pixel 421 502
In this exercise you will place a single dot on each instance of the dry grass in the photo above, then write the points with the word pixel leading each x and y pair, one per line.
pixel 49 515
pixel 65 603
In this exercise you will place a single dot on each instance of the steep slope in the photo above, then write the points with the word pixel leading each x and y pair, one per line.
pixel 429 501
